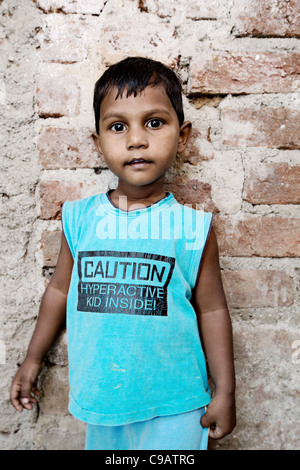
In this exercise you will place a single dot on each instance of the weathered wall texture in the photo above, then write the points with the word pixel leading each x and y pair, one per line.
pixel 240 63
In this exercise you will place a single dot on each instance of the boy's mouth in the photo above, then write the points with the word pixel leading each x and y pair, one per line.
pixel 138 162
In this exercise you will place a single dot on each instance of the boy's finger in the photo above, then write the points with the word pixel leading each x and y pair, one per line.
pixel 216 432
pixel 26 403
pixel 25 395
pixel 206 421
pixel 14 397
pixel 35 390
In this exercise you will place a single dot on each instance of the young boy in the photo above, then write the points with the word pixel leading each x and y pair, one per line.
pixel 140 276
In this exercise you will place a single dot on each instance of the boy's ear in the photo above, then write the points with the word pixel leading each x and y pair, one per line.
pixel 184 135
pixel 96 140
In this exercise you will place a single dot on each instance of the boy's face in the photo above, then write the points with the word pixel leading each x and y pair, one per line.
pixel 140 136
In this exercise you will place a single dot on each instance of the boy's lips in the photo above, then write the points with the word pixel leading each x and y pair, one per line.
pixel 138 162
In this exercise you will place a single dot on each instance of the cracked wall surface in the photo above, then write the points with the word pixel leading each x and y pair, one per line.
pixel 239 62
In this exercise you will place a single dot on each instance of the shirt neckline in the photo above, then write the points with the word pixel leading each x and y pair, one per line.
pixel 162 204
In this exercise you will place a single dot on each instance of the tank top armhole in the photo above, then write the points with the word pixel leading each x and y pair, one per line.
pixel 199 262
pixel 65 222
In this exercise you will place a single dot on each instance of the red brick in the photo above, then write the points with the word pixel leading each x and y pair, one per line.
pixel 54 193
pixel 248 72
pixel 273 183
pixel 57 96
pixel 192 192
pixel 199 147
pixel 263 363
pixel 63 39
pixel 50 244
pixel 93 7
pixel 258 236
pixel 68 148
pixel 263 18
pixel 258 288
pixel 161 43
pixel 264 127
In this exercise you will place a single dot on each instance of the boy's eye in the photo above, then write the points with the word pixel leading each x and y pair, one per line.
pixel 118 127
pixel 155 123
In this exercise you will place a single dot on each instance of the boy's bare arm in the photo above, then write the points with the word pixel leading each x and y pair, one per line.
pixel 216 335
pixel 50 321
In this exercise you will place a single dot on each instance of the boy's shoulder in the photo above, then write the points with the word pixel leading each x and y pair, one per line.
pixel 83 200
pixel 79 207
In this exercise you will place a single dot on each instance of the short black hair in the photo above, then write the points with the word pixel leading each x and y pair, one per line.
pixel 134 74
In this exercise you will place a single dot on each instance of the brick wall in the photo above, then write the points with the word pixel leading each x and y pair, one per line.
pixel 240 66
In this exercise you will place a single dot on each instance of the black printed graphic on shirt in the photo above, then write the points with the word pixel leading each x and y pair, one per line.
pixel 124 282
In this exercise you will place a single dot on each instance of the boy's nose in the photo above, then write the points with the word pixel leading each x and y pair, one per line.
pixel 136 138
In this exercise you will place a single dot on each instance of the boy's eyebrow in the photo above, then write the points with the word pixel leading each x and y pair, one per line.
pixel 148 113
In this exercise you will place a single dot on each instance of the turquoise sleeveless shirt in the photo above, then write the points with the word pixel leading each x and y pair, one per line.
pixel 133 341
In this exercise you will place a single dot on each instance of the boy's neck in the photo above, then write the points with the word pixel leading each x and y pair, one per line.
pixel 132 198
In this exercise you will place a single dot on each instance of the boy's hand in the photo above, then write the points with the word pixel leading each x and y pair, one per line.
pixel 24 385
pixel 220 416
